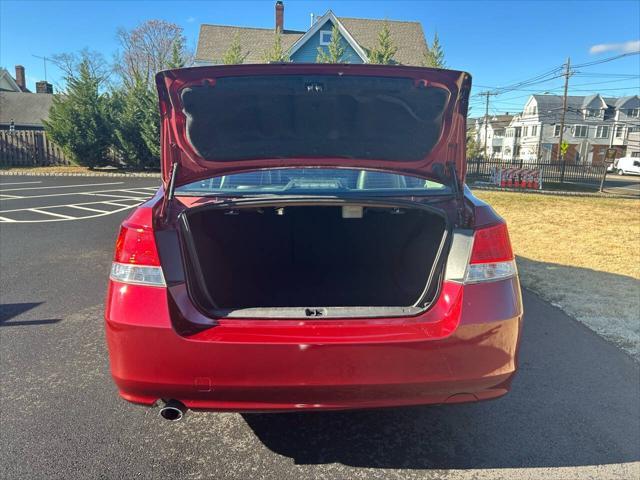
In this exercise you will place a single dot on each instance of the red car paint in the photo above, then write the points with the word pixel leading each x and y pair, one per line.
pixel 463 348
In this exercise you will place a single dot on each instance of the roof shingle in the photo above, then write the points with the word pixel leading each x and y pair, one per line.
pixel 214 40
pixel 27 109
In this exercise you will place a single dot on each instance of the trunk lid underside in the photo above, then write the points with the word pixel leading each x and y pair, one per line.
pixel 225 119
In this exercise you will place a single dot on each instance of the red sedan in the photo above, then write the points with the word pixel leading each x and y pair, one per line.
pixel 313 246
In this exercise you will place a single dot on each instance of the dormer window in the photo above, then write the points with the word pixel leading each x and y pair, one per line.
pixel 592 112
pixel 633 112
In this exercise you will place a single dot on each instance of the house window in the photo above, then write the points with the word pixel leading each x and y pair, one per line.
pixel 619 131
pixel 602 131
pixel 556 131
pixel 325 37
pixel 633 112
pixel 534 130
pixel 525 131
pixel 635 154
pixel 499 133
pixel 592 112
pixel 580 131
pixel 634 129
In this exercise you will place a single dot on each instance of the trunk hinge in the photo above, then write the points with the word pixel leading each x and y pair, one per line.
pixel 458 191
pixel 168 195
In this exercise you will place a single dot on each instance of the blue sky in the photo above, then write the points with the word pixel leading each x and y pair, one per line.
pixel 498 42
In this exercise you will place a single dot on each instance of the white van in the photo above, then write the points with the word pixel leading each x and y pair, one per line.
pixel 627 165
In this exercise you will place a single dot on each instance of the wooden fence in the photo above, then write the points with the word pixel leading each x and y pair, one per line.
pixel 29 148
pixel 551 172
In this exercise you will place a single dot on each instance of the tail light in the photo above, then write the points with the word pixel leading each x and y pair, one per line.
pixel 491 256
pixel 136 258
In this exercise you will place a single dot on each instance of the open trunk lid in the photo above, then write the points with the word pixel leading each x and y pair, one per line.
pixel 227 119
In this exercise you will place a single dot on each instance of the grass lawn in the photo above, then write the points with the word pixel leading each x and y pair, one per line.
pixel 580 253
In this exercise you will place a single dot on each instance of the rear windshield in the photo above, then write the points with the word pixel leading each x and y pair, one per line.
pixel 313 181
pixel 310 116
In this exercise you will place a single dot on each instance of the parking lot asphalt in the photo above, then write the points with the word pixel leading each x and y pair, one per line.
pixel 573 412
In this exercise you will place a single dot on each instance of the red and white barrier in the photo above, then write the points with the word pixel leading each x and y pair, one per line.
pixel 528 178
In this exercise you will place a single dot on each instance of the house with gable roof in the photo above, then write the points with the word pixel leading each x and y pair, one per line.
pixel 359 36
pixel 593 124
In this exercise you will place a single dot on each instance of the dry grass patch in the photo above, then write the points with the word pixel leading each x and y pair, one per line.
pixel 582 254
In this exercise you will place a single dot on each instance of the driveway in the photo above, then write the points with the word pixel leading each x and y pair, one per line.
pixel 573 412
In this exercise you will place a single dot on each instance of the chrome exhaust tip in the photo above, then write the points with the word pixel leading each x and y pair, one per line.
pixel 172 410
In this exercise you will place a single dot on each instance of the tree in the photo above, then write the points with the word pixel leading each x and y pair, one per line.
pixel 131 110
pixel 276 53
pixel 149 48
pixel 178 59
pixel 233 55
pixel 94 61
pixel 472 146
pixel 334 52
pixel 78 120
pixel 434 57
pixel 385 49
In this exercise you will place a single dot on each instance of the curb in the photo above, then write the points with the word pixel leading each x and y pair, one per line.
pixel 562 193
pixel 32 173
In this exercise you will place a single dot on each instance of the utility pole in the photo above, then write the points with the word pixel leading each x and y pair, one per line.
pixel 567 74
pixel 486 119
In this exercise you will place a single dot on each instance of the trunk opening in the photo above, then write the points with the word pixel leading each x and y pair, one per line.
pixel 321 260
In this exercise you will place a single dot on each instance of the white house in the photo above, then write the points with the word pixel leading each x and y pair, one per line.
pixel 495 129
pixel 592 124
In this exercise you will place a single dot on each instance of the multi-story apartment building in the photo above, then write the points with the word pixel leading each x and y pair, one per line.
pixel 592 124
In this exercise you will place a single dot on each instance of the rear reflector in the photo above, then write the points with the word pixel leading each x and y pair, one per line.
pixel 491 257
pixel 136 257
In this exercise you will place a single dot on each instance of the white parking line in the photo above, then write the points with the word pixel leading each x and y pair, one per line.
pixel 50 213
pixel 127 197
pixel 62 186
pixel 4 219
pixel 2 212
pixel 116 204
pixel 86 208
pixel 16 183
pixel 69 194
pixel 8 197
pixel 134 191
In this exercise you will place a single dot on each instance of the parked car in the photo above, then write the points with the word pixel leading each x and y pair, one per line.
pixel 313 246
pixel 627 165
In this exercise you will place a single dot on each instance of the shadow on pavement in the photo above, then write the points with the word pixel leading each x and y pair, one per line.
pixel 11 310
pixel 575 402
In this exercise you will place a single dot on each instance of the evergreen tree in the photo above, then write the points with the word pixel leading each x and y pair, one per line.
pixel 276 53
pixel 435 55
pixel 177 59
pixel 233 55
pixel 79 119
pixel 131 109
pixel 385 49
pixel 334 52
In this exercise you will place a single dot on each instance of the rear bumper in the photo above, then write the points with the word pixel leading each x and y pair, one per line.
pixel 234 368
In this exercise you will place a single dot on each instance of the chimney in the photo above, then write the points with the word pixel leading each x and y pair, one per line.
pixel 279 16
pixel 44 87
pixel 20 78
